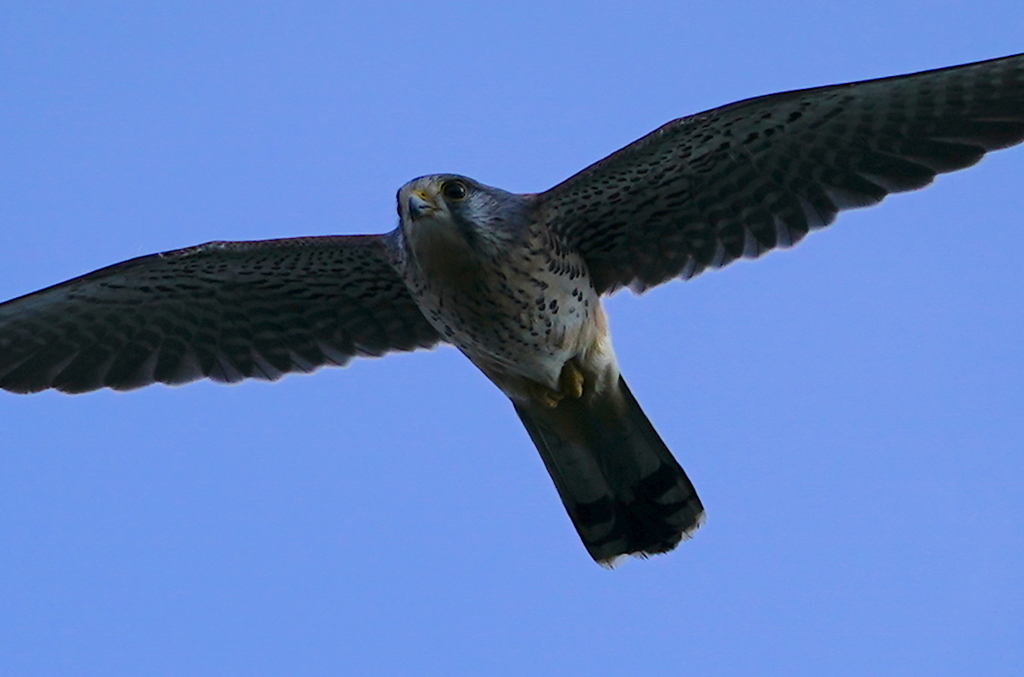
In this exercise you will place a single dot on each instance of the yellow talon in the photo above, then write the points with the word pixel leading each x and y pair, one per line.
pixel 570 384
pixel 544 395
pixel 551 399
pixel 571 381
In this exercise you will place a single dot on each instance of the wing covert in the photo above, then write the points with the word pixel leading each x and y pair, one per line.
pixel 739 180
pixel 224 310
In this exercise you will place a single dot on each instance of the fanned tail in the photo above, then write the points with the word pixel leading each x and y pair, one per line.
pixel 624 491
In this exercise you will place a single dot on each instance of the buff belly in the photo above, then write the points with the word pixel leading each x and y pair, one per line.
pixel 529 348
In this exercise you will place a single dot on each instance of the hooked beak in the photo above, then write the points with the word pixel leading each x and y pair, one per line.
pixel 420 205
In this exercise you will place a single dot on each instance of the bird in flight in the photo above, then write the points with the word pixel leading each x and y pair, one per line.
pixel 514 281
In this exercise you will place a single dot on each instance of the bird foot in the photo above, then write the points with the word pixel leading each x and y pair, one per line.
pixel 570 384
pixel 545 396
pixel 571 380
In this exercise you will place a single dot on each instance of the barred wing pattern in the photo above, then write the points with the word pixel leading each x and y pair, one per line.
pixel 742 179
pixel 226 310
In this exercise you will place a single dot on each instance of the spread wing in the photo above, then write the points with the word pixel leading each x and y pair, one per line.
pixel 226 310
pixel 745 178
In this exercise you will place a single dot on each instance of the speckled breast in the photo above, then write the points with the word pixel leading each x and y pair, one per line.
pixel 522 310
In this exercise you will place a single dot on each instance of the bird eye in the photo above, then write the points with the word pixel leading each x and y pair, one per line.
pixel 454 190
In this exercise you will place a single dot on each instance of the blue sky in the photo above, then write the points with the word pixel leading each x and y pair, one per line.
pixel 850 410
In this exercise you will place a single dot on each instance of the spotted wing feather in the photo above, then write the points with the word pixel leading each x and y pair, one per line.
pixel 224 310
pixel 742 179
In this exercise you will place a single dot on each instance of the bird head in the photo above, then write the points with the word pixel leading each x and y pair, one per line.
pixel 448 214
pixel 438 200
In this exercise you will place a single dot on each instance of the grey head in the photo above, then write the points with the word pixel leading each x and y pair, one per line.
pixel 455 212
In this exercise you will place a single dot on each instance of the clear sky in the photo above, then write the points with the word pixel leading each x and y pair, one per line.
pixel 851 411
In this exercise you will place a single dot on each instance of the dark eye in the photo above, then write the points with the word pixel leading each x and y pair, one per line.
pixel 454 190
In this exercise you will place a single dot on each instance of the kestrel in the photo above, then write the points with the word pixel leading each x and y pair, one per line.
pixel 515 281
